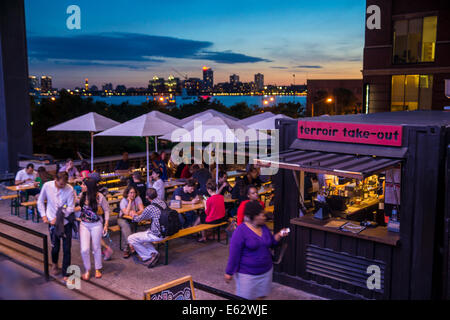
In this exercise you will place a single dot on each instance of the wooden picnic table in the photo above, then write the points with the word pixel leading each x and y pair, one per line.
pixel 235 173
pixel 22 187
pixel 174 183
pixel 190 207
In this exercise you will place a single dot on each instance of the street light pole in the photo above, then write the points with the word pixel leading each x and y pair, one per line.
pixel 328 100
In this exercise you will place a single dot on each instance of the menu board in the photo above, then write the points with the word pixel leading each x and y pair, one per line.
pixel 180 289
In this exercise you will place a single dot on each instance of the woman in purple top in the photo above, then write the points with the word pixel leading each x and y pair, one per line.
pixel 250 259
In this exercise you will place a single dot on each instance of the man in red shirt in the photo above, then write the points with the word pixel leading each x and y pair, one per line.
pixel 214 208
pixel 252 195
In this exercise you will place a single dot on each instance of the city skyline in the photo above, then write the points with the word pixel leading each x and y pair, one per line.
pixel 129 45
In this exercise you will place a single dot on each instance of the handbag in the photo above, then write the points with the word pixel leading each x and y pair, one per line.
pixel 231 227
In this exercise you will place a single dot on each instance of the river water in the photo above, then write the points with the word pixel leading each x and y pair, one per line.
pixel 228 101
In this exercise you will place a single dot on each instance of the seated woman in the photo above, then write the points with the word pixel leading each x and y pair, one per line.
pixel 252 195
pixel 130 205
pixel 43 176
pixel 84 169
pixel 214 208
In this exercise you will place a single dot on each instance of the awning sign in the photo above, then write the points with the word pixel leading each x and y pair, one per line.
pixel 351 133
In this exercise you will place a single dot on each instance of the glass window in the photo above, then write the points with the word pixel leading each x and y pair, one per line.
pixel 426 92
pixel 414 40
pixel 411 92
pixel 400 41
pixel 398 93
pixel 429 39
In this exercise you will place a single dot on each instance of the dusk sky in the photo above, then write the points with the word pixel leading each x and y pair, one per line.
pixel 128 42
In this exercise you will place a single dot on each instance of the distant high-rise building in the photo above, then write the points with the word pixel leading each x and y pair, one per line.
pixel 107 87
pixel 259 81
pixel 157 85
pixel 193 86
pixel 94 88
pixel 234 79
pixel 86 84
pixel 46 84
pixel 172 85
pixel 208 79
pixel 121 88
pixel 33 83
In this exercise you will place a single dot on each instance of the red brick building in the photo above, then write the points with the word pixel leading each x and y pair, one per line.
pixel 406 55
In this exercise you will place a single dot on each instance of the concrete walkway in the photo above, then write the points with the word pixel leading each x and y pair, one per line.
pixel 204 262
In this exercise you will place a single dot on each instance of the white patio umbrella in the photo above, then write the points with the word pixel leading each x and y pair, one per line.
pixel 91 122
pixel 267 123
pixel 214 130
pixel 152 124
pixel 256 118
pixel 205 115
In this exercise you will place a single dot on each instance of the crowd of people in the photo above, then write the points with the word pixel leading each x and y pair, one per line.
pixel 86 213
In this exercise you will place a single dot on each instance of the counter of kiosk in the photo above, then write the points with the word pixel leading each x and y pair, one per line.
pixel 371 169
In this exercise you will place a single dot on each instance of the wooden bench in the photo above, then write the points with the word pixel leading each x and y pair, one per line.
pixel 116 228
pixel 13 204
pixel 33 206
pixel 186 232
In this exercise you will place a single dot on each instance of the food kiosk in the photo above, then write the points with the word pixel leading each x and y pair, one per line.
pixel 376 223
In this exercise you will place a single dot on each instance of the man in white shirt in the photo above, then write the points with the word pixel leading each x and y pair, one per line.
pixel 158 184
pixel 27 176
pixel 54 195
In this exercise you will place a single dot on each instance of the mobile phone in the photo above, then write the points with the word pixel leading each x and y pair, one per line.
pixel 285 231
pixel 204 197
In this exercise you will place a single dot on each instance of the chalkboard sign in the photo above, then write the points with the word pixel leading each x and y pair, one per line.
pixel 180 289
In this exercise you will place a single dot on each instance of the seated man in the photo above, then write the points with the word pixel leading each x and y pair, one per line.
pixel 188 195
pixel 202 175
pixel 26 176
pixel 123 164
pixel 71 170
pixel 224 186
pixel 141 242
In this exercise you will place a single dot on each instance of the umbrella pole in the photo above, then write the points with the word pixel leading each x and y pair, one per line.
pixel 92 151
pixel 217 173
pixel 148 167
pixel 156 143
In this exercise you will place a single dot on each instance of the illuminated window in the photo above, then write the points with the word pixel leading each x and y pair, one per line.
pixel 415 40
pixel 411 92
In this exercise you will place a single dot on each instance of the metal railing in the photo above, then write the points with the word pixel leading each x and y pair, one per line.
pixel 217 292
pixel 43 250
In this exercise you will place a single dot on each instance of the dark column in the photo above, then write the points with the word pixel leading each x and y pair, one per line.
pixel 15 114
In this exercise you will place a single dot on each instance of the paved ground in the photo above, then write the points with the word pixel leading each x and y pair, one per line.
pixel 204 262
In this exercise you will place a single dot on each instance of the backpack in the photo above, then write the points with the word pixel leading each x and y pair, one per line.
pixel 169 222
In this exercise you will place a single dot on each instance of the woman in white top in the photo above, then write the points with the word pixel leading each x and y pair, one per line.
pixel 158 184
pixel 130 205
pixel 91 226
